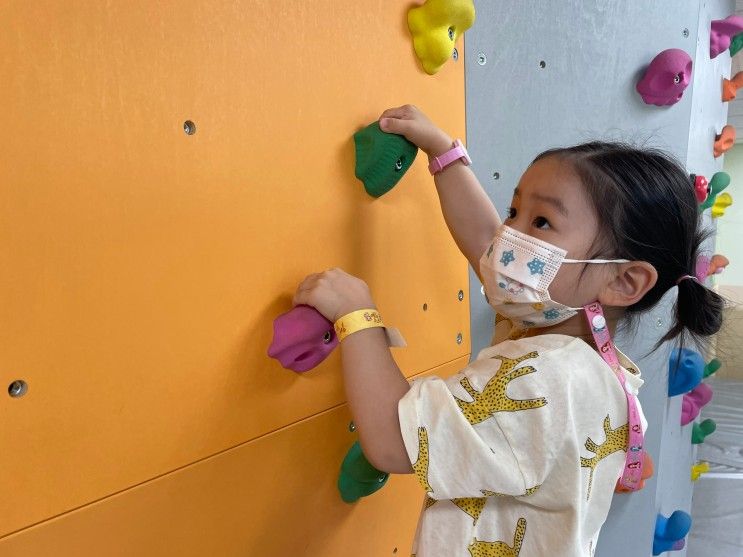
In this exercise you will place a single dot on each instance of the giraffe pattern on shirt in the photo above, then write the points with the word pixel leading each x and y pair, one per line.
pixel 421 465
pixel 528 492
pixel 480 548
pixel 493 397
pixel 473 506
pixel 616 440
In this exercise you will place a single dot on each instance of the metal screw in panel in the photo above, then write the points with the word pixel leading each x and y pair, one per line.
pixel 496 175
pixel 685 32
pixel 425 307
pixel 352 427
pixel 542 64
pixel 482 59
pixel 455 54
pixel 18 388
pixel 327 337
pixel 459 338
pixel 451 33
pixel 460 295
pixel 659 322
pixel 189 127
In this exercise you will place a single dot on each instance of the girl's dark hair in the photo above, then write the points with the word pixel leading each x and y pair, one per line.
pixel 647 211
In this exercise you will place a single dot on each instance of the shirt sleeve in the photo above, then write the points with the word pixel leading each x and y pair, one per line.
pixel 474 435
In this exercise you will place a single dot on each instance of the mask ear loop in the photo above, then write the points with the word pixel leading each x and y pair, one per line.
pixel 595 260
pixel 632 475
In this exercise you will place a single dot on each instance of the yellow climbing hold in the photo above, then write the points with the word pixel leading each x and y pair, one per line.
pixel 722 202
pixel 699 469
pixel 435 27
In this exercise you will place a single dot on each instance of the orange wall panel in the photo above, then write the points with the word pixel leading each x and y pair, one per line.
pixel 142 267
pixel 271 496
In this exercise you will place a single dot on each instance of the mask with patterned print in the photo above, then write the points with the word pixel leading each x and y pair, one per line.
pixel 517 270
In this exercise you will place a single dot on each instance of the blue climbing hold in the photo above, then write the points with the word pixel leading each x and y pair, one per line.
pixel 685 371
pixel 670 531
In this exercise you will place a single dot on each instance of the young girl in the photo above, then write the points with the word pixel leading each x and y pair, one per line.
pixel 520 453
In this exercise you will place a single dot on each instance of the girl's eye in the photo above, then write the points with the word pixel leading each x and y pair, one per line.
pixel 511 213
pixel 541 222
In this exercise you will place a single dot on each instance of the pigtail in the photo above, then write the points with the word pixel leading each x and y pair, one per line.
pixel 698 309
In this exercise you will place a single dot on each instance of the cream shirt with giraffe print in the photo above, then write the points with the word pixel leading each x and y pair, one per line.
pixel 520 452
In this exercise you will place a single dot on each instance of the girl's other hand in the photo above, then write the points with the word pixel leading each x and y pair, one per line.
pixel 407 120
pixel 334 293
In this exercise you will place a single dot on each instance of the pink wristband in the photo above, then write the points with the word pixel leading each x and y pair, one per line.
pixel 457 152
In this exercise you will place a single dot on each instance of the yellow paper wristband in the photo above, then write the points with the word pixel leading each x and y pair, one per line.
pixel 357 321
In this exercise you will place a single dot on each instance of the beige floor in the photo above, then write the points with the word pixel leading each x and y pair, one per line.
pixel 729 342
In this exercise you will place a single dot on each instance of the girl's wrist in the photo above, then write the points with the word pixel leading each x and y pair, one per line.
pixel 350 308
pixel 439 146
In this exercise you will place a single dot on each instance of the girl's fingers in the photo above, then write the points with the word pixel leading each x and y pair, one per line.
pixel 304 288
pixel 397 112
pixel 395 125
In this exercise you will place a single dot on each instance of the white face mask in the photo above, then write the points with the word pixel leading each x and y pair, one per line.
pixel 517 270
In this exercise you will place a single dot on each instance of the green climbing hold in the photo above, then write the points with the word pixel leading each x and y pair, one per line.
pixel 719 182
pixel 713 365
pixel 736 44
pixel 381 158
pixel 358 478
pixel 702 430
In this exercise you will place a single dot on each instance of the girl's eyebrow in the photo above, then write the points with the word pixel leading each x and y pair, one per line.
pixel 554 201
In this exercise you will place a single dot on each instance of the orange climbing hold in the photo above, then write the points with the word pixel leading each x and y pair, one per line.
pixel 717 264
pixel 647 473
pixel 730 87
pixel 724 141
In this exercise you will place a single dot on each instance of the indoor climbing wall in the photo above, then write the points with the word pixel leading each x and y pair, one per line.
pixel 542 75
pixel 171 172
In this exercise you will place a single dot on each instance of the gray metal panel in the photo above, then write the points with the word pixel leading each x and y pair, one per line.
pixel 593 54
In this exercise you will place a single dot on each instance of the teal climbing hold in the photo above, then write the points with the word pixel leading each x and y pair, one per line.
pixel 719 182
pixel 712 366
pixel 358 478
pixel 381 158
pixel 736 44
pixel 702 430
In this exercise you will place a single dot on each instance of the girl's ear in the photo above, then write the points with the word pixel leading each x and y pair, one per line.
pixel 631 282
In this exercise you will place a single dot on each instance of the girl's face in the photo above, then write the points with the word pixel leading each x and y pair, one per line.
pixel 550 203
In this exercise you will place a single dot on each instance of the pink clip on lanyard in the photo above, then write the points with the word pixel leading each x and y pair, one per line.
pixel 633 464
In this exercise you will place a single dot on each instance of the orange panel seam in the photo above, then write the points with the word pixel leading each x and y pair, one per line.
pixel 203 459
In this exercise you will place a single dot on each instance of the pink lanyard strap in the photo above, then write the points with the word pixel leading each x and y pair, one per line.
pixel 633 464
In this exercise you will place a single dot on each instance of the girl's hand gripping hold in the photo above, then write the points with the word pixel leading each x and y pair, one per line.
pixel 334 293
pixel 409 121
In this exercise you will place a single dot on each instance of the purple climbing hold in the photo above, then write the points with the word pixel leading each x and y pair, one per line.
pixel 722 33
pixel 665 80
pixel 302 338
pixel 694 401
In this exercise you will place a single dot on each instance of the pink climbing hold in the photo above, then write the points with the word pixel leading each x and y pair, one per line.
pixel 723 31
pixel 666 78
pixel 694 401
pixel 702 268
pixel 302 338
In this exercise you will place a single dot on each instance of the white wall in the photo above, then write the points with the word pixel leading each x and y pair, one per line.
pixel 730 225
